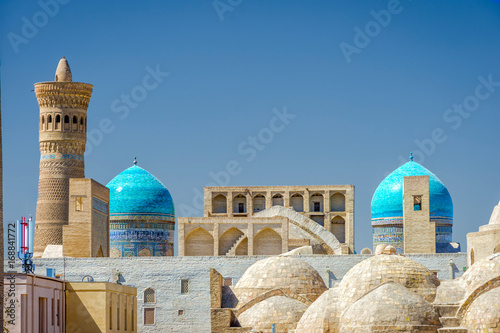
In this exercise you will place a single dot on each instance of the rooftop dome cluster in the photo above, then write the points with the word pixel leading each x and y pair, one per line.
pixel 386 292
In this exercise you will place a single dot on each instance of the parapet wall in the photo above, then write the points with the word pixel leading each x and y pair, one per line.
pixel 164 275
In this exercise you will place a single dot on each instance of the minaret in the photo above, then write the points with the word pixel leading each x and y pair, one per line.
pixel 63 134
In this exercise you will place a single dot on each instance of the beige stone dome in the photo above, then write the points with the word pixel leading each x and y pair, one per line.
pixel 322 316
pixel 282 311
pixel 281 272
pixel 390 308
pixel 373 271
pixel 481 272
pixel 483 315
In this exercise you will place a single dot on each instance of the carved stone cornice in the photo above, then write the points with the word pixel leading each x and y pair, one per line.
pixel 62 147
pixel 63 94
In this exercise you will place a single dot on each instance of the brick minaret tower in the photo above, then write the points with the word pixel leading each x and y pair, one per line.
pixel 63 134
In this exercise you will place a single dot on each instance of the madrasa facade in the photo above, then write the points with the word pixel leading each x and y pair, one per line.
pixel 261 259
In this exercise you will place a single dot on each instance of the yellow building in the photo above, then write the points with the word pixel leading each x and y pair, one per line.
pixel 100 307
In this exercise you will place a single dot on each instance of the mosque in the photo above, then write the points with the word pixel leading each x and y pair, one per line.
pixel 261 259
pixel 142 216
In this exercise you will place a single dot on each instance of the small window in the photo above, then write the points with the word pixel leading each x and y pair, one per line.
pixel 241 207
pixel 417 202
pixel 228 282
pixel 317 207
pixel 49 118
pixel 149 316
pixel 118 313
pixel 58 119
pixel 66 119
pixel 180 313
pixel 79 204
pixel 149 295
pixel 125 313
pixel 184 286
pixel 81 120
pixel 75 120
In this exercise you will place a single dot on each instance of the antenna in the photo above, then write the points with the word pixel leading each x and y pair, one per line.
pixel 25 244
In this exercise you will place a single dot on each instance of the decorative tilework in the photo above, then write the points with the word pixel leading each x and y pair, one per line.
pixel 387 200
pixel 141 213
pixel 99 205
pixel 387 209
pixel 61 156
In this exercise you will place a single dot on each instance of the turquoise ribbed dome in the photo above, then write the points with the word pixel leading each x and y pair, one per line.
pixel 387 200
pixel 136 191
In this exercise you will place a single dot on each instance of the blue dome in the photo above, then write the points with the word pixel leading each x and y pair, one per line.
pixel 136 191
pixel 387 200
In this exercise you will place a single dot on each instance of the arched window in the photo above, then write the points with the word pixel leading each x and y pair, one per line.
pixel 58 122
pixel 239 204
pixel 337 228
pixel 199 242
pixel 74 126
pixel 66 123
pixel 297 202
pixel 229 239
pixel 337 202
pixel 81 120
pixel 149 295
pixel 316 202
pixel 267 242
pixel 42 123
pixel 219 204
pixel 43 119
pixel 278 200
pixel 259 203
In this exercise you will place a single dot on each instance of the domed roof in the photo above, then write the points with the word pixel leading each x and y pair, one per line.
pixel 136 191
pixel 483 315
pixel 387 200
pixel 279 272
pixel 378 269
pixel 481 272
pixel 323 315
pixel 282 311
pixel 390 307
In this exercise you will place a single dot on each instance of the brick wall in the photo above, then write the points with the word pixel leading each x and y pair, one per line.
pixel 163 274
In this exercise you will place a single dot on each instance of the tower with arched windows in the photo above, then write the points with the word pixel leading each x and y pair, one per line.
pixel 63 134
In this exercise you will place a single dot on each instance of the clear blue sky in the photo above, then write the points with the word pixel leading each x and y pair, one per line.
pixel 231 66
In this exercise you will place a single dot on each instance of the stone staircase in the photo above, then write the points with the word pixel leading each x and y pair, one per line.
pixel 232 250
pixel 447 317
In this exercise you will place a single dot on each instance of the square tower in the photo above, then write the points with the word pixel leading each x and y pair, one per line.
pixel 419 233
pixel 87 233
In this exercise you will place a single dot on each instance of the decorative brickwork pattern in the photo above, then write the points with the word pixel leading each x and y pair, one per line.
pixel 390 308
pixel 323 315
pixel 483 315
pixel 282 311
pixel 279 272
pixel 383 268
pixel 62 146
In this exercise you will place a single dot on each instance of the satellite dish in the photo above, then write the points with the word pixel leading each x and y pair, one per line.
pixel 87 278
